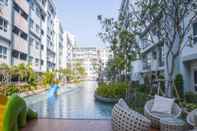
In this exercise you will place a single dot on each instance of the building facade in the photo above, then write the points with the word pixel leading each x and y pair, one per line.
pixel 27 34
pixel 59 44
pixel 93 59
pixel 70 42
pixel 153 58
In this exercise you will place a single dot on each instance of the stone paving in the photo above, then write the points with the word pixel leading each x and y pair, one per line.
pixel 69 125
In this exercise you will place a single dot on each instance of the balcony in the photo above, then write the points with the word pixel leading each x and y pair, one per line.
pixel 23 4
pixel 20 22
pixel 20 44
pixel 5 12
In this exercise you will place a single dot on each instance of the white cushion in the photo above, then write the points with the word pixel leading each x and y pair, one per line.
pixel 162 105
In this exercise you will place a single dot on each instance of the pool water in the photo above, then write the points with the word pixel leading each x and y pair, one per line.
pixel 74 102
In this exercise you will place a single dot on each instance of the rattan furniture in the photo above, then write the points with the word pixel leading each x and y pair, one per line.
pixel 190 119
pixel 125 119
pixel 172 124
pixel 155 117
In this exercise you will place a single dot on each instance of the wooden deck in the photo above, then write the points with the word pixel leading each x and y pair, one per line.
pixel 69 125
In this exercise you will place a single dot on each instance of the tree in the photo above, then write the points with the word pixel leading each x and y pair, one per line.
pixel 168 22
pixel 123 45
pixel 79 71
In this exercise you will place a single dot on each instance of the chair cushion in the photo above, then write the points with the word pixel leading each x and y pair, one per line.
pixel 162 105
pixel 123 104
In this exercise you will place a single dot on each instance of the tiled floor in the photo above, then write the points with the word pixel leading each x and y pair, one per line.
pixel 69 125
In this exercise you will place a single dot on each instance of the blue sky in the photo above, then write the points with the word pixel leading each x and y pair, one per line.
pixel 80 18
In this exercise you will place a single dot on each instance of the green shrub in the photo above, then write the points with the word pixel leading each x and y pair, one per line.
pixel 48 78
pixel 191 97
pixel 190 106
pixel 31 114
pixel 11 89
pixel 112 90
pixel 139 101
pixel 178 82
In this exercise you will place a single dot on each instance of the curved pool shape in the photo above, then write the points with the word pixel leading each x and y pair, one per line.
pixel 75 102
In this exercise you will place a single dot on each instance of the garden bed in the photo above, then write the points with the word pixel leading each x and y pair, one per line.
pixel 106 99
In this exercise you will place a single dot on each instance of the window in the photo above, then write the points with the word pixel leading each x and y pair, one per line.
pixel 42 62
pixel 154 55
pixel 31 40
pixel 42 47
pixel 195 32
pixel 31 60
pixel 37 62
pixel 15 30
pixel 31 23
pixel 24 15
pixel 3 24
pixel 24 35
pixel 37 29
pixel 3 52
pixel 2 2
pixel 15 53
pixel 17 8
pixel 23 56
pixel 37 45
pixel 42 32
pixel 195 80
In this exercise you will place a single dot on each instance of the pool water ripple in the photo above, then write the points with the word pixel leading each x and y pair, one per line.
pixel 76 102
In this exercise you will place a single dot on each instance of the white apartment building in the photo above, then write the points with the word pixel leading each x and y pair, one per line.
pixel 70 42
pixel 153 58
pixel 27 34
pixel 89 59
pixel 93 59
pixel 105 54
pixel 59 45
pixel 5 31
pixel 20 31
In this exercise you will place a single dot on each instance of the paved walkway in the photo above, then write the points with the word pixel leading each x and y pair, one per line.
pixel 69 125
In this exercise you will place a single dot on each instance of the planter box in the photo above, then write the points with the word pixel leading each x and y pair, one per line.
pixel 106 99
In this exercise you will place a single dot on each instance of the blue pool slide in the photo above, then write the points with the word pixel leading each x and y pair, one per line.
pixel 53 90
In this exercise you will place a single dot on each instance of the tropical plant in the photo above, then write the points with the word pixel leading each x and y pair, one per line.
pixel 112 90
pixel 123 45
pixel 178 82
pixel 164 22
pixel 48 78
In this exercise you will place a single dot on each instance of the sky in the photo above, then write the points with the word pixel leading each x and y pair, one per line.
pixel 80 18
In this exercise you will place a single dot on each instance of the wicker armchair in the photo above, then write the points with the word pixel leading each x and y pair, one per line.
pixel 190 119
pixel 125 119
pixel 155 117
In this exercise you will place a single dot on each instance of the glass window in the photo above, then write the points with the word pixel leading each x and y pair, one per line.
pixel 16 30
pixel 195 80
pixel 16 7
pixel 23 56
pixel 24 15
pixel 24 36
pixel 15 53
pixel 37 45
pixel 31 23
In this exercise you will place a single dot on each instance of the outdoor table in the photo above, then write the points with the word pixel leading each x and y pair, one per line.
pixel 172 124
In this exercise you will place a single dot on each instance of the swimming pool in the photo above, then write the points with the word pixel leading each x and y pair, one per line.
pixel 74 102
